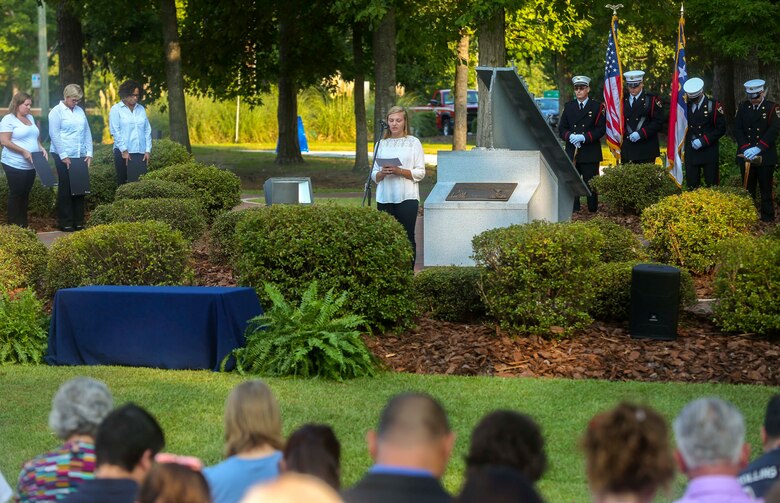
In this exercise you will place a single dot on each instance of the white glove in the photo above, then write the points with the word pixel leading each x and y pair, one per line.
pixel 580 139
pixel 634 137
pixel 752 152
pixel 573 139
pixel 696 144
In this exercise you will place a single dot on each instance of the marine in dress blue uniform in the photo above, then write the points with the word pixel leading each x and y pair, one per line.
pixel 643 119
pixel 756 127
pixel 706 125
pixel 582 125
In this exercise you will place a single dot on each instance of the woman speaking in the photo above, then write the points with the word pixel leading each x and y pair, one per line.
pixel 397 189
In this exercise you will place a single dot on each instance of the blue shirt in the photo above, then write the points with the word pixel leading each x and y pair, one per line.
pixel 130 128
pixel 69 132
pixel 230 479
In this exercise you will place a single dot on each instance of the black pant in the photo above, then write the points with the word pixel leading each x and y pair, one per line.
pixel 588 170
pixel 406 213
pixel 120 166
pixel 763 175
pixel 70 209
pixel 20 182
pixel 693 174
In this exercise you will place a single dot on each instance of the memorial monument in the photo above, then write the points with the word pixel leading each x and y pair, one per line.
pixel 521 175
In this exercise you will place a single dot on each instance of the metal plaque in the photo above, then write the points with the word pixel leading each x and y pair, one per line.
pixel 481 192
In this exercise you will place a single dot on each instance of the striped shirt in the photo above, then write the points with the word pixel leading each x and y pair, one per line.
pixel 54 475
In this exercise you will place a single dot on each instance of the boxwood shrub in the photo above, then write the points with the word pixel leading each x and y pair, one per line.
pixel 166 152
pixel 620 244
pixel 150 189
pixel 218 190
pixel 222 235
pixel 535 278
pixel 102 185
pixel 747 285
pixel 630 188
pixel 685 229
pixel 450 293
pixel 358 250
pixel 184 215
pixel 612 288
pixel 134 253
pixel 22 259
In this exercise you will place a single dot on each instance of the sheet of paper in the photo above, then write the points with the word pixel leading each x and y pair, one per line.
pixel 388 162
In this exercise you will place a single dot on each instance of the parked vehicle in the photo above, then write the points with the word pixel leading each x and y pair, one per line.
pixel 549 109
pixel 442 104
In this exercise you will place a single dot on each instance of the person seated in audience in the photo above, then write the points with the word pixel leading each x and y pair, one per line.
pixel 173 482
pixel 507 438
pixel 628 456
pixel 125 446
pixel 498 484
pixel 410 448
pixel 762 473
pixel 711 451
pixel 78 407
pixel 293 488
pixel 313 449
pixel 5 490
pixel 253 442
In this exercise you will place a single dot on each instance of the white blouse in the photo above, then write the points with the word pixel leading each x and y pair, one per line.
pixel 396 188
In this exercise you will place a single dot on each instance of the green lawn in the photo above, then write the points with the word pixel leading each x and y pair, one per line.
pixel 189 406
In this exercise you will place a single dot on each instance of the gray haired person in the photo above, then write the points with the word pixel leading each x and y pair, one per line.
pixel 77 410
pixel 711 451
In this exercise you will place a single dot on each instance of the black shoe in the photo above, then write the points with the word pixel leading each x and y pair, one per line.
pixel 79 227
pixel 67 229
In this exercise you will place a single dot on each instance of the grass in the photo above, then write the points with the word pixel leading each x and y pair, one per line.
pixel 189 406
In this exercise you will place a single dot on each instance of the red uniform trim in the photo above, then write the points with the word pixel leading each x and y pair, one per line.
pixel 706 139
pixel 644 133
pixel 744 146
pixel 590 136
pixel 764 143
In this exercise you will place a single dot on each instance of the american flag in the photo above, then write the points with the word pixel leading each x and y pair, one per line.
pixel 613 92
pixel 678 115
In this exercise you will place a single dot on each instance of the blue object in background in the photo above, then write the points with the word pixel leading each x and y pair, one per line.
pixel 301 137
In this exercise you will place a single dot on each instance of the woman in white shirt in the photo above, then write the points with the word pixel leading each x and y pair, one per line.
pixel 397 190
pixel 70 139
pixel 20 137
pixel 130 128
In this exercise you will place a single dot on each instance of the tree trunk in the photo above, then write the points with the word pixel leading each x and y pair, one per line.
pixel 491 41
pixel 723 88
pixel 771 73
pixel 744 69
pixel 461 92
pixel 177 108
pixel 384 68
pixel 563 80
pixel 359 97
pixel 289 149
pixel 70 41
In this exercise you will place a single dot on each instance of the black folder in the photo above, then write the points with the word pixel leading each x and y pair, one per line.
pixel 43 169
pixel 136 166
pixel 79 176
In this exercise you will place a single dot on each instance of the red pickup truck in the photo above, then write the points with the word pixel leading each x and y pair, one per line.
pixel 443 105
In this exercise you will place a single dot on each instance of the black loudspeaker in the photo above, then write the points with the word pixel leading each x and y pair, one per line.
pixel 655 301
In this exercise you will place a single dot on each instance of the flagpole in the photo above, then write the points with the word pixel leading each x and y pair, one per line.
pixel 613 88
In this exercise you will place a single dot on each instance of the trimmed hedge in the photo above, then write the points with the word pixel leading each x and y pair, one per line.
pixel 620 244
pixel 630 188
pixel 218 190
pixel 136 253
pixel 685 229
pixel 612 288
pixel 184 215
pixel 224 248
pixel 166 152
pixel 450 293
pixel 747 285
pixel 102 185
pixel 535 278
pixel 358 250
pixel 154 189
pixel 22 259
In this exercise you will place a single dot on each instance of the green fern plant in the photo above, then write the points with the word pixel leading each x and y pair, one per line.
pixel 23 334
pixel 308 340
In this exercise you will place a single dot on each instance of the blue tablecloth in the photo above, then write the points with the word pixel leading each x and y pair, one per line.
pixel 167 327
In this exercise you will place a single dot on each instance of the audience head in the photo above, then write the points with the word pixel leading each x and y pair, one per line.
pixel 293 488
pixel 770 433
pixel 413 432
pixel 627 451
pixel 497 484
pixel 508 438
pixel 78 408
pixel 710 435
pixel 174 483
pixel 313 449
pixel 128 438
pixel 252 418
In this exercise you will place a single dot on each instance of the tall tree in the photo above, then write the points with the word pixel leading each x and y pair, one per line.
pixel 491 33
pixel 359 97
pixel 70 44
pixel 384 66
pixel 174 78
pixel 461 91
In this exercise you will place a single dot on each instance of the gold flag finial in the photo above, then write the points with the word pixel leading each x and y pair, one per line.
pixel 614 8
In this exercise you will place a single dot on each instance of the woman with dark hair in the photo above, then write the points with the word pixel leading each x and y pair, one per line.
pixel 20 137
pixel 130 128
pixel 313 449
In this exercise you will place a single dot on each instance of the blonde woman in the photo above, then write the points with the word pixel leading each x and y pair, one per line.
pixel 397 187
pixel 253 442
